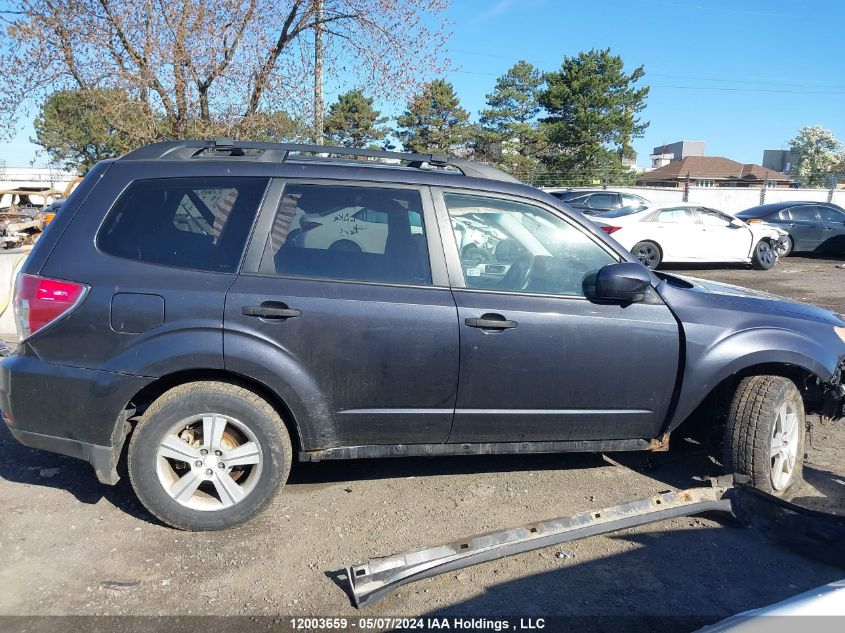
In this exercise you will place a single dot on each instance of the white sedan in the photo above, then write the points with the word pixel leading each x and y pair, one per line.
pixel 686 232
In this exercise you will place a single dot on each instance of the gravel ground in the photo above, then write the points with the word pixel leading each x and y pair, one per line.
pixel 73 546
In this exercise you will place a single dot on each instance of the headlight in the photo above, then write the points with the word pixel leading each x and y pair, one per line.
pixel 840 332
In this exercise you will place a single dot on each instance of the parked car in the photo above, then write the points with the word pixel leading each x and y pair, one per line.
pixel 685 232
pixel 172 306
pixel 811 226
pixel 598 201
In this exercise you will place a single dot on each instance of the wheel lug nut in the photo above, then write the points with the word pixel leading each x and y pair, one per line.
pixel 221 465
pixel 218 453
pixel 198 462
pixel 208 471
pixel 203 452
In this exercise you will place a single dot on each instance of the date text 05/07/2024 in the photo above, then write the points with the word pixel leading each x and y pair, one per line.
pixel 420 624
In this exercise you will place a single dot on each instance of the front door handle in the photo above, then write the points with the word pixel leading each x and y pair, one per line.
pixel 271 310
pixel 490 322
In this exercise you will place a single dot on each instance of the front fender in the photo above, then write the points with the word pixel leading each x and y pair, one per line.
pixel 707 365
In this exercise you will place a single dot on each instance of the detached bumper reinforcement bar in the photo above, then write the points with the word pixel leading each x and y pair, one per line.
pixel 379 576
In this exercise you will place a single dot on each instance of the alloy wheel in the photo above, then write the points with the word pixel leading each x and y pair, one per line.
pixel 209 462
pixel 783 449
pixel 766 253
pixel 648 256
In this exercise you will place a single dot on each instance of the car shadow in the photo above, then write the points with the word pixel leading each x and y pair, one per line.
pixel 664 580
pixel 334 471
pixel 830 486
pixel 22 465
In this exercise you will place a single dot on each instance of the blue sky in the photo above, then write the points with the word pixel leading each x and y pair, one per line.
pixel 742 76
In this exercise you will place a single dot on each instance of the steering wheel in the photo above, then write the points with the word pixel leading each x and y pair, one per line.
pixel 519 273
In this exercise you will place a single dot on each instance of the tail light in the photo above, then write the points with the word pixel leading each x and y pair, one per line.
pixel 308 225
pixel 610 229
pixel 40 301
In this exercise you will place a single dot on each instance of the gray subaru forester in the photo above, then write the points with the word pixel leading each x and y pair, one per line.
pixel 221 308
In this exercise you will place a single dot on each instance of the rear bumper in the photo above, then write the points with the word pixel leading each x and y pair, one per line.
pixel 102 458
pixel 67 410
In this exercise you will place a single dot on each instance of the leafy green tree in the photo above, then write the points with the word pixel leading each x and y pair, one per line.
pixel 353 122
pixel 78 128
pixel 593 108
pixel 508 134
pixel 434 120
pixel 817 154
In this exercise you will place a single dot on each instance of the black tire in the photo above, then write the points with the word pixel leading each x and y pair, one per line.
pixel 193 399
pixel 764 256
pixel 788 247
pixel 751 426
pixel 648 253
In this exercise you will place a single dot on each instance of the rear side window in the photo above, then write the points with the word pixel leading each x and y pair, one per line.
pixel 802 214
pixel 350 233
pixel 196 223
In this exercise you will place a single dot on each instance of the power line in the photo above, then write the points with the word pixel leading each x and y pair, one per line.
pixel 656 73
pixel 796 90
pixel 717 9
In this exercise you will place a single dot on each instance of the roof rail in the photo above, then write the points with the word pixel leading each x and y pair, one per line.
pixel 280 152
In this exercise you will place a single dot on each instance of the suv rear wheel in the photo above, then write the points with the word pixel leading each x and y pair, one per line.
pixel 208 456
pixel 764 434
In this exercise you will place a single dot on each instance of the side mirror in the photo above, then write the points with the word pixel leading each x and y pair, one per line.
pixel 626 282
pixel 737 223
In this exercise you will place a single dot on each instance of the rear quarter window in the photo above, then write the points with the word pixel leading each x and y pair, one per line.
pixel 197 223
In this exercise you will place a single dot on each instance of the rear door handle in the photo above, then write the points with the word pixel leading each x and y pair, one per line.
pixel 490 322
pixel 277 311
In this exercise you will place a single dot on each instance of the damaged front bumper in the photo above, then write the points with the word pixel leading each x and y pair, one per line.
pixel 833 394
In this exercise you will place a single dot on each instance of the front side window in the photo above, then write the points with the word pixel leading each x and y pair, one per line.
pixel 513 246
pixel 197 223
pixel 630 200
pixel 709 217
pixel 826 214
pixel 349 233
pixel 676 216
pixel 603 201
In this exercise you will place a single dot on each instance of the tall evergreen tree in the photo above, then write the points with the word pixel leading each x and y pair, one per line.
pixel 353 122
pixel 434 120
pixel 509 134
pixel 593 108
pixel 515 98
pixel 77 128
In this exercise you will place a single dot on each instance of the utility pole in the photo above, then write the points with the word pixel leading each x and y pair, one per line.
pixel 318 72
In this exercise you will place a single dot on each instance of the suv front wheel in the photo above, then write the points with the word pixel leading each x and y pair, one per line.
pixel 764 434
pixel 208 456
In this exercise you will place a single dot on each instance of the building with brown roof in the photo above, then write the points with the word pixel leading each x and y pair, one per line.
pixel 712 171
